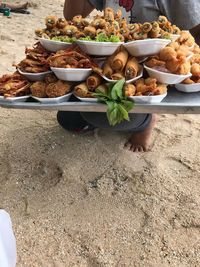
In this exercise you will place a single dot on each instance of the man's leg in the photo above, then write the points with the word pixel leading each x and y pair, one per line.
pixel 140 141
pixel 141 126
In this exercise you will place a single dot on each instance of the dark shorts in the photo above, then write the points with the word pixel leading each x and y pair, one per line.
pixel 77 120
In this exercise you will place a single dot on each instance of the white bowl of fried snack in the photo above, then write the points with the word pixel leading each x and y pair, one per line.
pixel 170 66
pixel 147 47
pixel 189 85
pixel 146 91
pixel 71 65
pixel 51 90
pixel 54 46
pixel 98 48
pixel 33 77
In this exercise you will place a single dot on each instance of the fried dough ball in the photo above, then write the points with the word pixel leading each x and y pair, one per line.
pixel 51 22
pixel 38 89
pixel 195 69
pixel 61 23
pixel 69 30
pixel 90 31
pixel 50 78
pixel 57 89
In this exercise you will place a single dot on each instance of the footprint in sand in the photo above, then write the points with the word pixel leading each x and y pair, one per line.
pixel 47 174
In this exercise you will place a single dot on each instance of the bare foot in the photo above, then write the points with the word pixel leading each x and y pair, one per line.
pixel 140 141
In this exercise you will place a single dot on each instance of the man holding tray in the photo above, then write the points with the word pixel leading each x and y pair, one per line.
pixel 141 125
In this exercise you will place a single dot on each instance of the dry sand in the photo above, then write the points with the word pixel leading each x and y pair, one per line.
pixel 82 200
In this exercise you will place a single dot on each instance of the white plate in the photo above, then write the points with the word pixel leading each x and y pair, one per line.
pixel 148 99
pixel 54 46
pixel 147 47
pixel 59 99
pixel 14 99
pixel 166 78
pixel 34 77
pixel 174 37
pixel 87 99
pixel 188 88
pixel 140 74
pixel 98 48
pixel 71 75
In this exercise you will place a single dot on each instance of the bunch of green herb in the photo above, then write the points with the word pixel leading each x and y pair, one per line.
pixel 118 105
pixel 102 37
pixel 64 39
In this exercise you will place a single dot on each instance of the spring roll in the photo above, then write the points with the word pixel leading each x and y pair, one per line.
pixel 117 76
pixel 146 27
pixel 132 68
pixel 119 61
pixel 93 81
pixel 107 70
pixel 82 90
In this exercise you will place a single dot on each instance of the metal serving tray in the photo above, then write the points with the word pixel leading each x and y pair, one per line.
pixel 175 103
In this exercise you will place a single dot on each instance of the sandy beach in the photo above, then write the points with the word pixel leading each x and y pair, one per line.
pixel 84 201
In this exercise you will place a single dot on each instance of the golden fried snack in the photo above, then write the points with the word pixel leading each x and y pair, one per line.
pixel 175 29
pixel 195 70
pixel 61 23
pixel 186 38
pixel 167 53
pixel 162 20
pixel 57 89
pixel 82 90
pixel 151 82
pixel 188 81
pixel 107 70
pixel 139 35
pixel 180 65
pixel 134 27
pixel 50 78
pixel 93 81
pixel 38 89
pixel 155 31
pixel 132 68
pixel 119 61
pixel 90 31
pixel 129 90
pixel 117 76
pixel 146 27
pixel 51 22
pixel 109 14
pixel 118 15
pixel 69 30
pixel 160 89
pixel 154 61
pixel 99 23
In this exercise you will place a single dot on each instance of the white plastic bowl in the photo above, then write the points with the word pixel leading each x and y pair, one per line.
pixel 54 46
pixel 148 99
pixel 147 47
pixel 34 77
pixel 87 99
pixel 140 74
pixel 71 75
pixel 59 99
pixel 98 48
pixel 166 78
pixel 15 99
pixel 188 88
